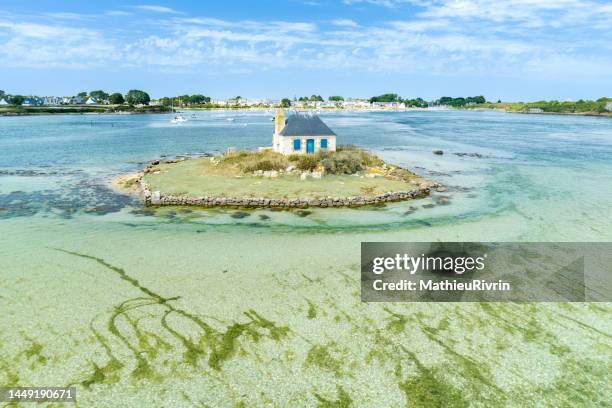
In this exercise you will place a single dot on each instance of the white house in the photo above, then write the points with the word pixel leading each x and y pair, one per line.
pixel 91 101
pixel 301 133
pixel 3 102
pixel 609 106
pixel 52 100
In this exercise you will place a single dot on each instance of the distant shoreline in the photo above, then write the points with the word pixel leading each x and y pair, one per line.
pixel 100 110
pixel 81 110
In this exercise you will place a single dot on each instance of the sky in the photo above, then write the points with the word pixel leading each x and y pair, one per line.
pixel 513 50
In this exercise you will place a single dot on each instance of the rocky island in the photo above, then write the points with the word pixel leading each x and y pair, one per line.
pixel 348 176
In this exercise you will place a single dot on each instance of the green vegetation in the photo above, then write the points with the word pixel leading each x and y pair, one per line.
pixel 323 356
pixel 137 97
pixel 116 98
pixel 416 103
pixel 99 95
pixel 349 172
pixel 79 109
pixel 311 98
pixel 346 160
pixel 335 98
pixel 307 163
pixel 285 103
pixel 344 400
pixel 16 100
pixel 388 97
pixel 248 162
pixel 579 107
pixel 460 102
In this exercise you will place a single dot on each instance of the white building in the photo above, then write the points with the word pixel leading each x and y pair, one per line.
pixel 91 101
pixel 52 100
pixel 609 106
pixel 3 102
pixel 301 133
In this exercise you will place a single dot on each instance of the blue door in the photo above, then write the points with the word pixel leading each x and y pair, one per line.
pixel 310 146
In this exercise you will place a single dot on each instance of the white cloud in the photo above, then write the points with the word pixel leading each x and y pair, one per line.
pixel 117 13
pixel 69 16
pixel 344 22
pixel 386 3
pixel 449 37
pixel 157 9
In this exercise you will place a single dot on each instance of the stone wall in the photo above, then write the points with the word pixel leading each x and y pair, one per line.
pixel 156 198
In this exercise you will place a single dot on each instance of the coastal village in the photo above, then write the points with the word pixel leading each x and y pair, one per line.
pixel 137 101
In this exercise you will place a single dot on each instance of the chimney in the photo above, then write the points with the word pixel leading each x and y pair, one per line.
pixel 279 121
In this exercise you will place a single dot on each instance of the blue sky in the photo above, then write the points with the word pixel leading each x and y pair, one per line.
pixel 505 49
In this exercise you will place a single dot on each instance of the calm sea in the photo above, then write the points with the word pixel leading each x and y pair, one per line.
pixel 79 263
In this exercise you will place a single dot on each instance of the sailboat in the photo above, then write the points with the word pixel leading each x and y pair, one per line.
pixel 178 118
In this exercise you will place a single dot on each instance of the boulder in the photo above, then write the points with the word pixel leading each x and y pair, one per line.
pixel 156 198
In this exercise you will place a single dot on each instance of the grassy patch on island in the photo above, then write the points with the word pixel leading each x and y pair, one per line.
pixel 349 172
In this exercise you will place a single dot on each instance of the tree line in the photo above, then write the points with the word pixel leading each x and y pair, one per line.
pixel 421 103
pixel 132 97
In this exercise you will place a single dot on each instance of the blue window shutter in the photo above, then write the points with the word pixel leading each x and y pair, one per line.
pixel 297 144
pixel 323 143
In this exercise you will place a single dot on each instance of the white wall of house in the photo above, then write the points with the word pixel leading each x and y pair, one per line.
pixel 286 144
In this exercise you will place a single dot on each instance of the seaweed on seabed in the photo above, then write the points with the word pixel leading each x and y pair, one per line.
pixel 344 400
pixel 220 345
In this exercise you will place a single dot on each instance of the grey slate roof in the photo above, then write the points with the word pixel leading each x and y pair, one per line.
pixel 301 124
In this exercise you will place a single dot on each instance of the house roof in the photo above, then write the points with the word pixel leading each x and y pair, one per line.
pixel 301 124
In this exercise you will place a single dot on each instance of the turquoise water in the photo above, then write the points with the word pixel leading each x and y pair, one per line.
pixel 266 311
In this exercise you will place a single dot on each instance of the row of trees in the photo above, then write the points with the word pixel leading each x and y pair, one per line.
pixel 133 97
pixel 420 102
pixel 312 98
pixel 184 100
pixel 458 102
pixel 579 106
pixel 395 98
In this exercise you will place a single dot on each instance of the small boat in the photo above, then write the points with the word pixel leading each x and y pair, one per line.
pixel 178 119
pixel 230 119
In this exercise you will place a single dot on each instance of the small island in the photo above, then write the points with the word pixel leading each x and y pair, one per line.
pixel 303 168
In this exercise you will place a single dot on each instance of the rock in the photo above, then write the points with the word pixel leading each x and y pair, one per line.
pixel 304 213
pixel 304 175
pixel 477 155
pixel 429 205
pixel 438 152
pixel 289 169
pixel 410 210
pixel 440 189
pixel 316 175
pixel 240 214
pixel 270 173
pixel 443 200
pixel 156 198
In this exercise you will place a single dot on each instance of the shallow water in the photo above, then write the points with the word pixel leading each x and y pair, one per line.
pixel 213 307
